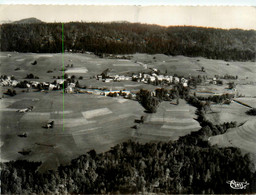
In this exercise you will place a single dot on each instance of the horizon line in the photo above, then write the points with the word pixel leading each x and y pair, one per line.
pixel 127 22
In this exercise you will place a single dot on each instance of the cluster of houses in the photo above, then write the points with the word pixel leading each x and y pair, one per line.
pixel 8 81
pixel 46 85
pixel 152 78
pixel 56 85
pixel 111 93
pixel 155 79
pixel 113 78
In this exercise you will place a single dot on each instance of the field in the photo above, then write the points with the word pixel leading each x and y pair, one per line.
pixel 169 123
pixel 186 66
pixel 242 137
pixel 97 122
pixel 221 113
pixel 89 123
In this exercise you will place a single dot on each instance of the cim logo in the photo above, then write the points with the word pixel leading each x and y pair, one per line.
pixel 237 185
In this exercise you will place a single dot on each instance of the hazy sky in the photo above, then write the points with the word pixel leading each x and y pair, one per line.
pixel 209 16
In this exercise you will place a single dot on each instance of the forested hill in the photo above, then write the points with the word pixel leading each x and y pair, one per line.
pixel 125 38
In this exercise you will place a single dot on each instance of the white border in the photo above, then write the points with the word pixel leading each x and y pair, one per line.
pixel 135 2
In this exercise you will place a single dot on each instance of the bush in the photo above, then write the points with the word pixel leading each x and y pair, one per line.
pixel 10 92
pixel 231 85
pixel 251 112
pixel 22 84
pixel 31 76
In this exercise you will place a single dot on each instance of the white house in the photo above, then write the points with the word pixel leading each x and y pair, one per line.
pixel 34 83
pixel 51 87
pixel 176 79
pixel 160 77
pixel 59 81
pixel 69 89
pixel 152 78
pixel 14 83
pixel 72 85
pixel 108 80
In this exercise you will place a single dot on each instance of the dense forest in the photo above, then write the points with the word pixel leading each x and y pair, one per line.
pixel 127 38
pixel 188 165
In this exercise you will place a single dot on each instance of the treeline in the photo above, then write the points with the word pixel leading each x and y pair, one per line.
pixel 224 98
pixel 125 38
pixel 175 167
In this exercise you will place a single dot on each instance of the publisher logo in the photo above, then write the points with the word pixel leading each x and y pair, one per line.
pixel 237 185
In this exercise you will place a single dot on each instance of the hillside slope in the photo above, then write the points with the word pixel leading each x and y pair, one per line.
pixel 124 38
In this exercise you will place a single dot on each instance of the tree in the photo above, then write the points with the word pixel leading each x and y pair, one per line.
pixel 231 85
pixel 251 112
pixel 78 84
pixel 10 92
pixel 149 102
pixel 177 101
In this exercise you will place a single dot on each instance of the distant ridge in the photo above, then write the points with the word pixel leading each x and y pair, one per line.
pixel 28 21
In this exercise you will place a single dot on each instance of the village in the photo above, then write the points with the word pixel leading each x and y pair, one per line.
pixel 153 77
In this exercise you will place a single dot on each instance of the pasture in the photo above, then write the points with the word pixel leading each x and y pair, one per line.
pixel 169 123
pixel 97 122
pixel 242 137
pixel 90 122
pixel 221 113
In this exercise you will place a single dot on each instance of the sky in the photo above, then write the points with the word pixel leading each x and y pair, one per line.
pixel 243 17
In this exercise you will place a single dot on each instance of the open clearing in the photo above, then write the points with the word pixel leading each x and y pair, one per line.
pixel 242 137
pixel 76 70
pixel 169 123
pixel 94 123
pixel 90 123
pixel 234 112
pixel 95 113
pixel 123 65
pixel 186 66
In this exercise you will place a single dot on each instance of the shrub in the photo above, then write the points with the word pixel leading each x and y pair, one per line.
pixel 231 85
pixel 22 84
pixel 251 112
pixel 10 92
pixel 31 76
